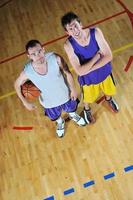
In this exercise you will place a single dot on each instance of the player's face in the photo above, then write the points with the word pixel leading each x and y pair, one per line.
pixel 74 29
pixel 36 54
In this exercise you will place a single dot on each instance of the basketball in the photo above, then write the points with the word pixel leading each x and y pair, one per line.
pixel 30 91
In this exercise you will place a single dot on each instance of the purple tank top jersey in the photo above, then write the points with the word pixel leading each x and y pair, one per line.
pixel 85 54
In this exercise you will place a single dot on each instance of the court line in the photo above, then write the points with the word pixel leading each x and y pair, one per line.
pixel 109 176
pixel 129 13
pixel 128 64
pixel 23 128
pixel 69 191
pixel 7 95
pixel 123 48
pixel 59 38
pixel 100 99
pixel 105 19
pixel 50 198
pixel 92 182
pixel 129 168
pixel 114 52
pixel 89 183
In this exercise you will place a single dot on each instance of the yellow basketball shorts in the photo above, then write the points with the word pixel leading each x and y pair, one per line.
pixel 91 92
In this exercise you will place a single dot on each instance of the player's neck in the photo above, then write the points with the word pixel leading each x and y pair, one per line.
pixel 84 38
pixel 40 68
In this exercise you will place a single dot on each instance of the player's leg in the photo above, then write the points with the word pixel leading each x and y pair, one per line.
pixel 109 89
pixel 90 94
pixel 70 107
pixel 55 115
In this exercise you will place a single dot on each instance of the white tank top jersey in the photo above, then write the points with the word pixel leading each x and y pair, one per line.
pixel 53 87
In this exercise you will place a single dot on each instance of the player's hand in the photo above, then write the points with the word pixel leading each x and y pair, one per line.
pixel 74 95
pixel 30 106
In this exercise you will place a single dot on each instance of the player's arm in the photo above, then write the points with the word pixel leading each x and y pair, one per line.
pixel 64 67
pixel 79 69
pixel 18 83
pixel 106 54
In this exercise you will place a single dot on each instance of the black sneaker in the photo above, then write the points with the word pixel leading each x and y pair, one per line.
pixel 88 117
pixel 113 105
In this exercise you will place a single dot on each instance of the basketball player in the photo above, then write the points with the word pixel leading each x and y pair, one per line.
pixel 90 56
pixel 46 71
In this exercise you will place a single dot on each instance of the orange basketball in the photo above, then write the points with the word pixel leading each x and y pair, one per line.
pixel 30 91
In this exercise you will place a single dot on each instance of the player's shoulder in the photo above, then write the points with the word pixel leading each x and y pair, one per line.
pixel 67 45
pixel 67 42
pixel 49 54
pixel 27 65
pixel 99 34
pixel 98 31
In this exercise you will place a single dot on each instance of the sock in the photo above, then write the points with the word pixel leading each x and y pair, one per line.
pixel 88 109
pixel 108 99
pixel 59 120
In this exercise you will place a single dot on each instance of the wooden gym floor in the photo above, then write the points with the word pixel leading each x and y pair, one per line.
pixel 35 164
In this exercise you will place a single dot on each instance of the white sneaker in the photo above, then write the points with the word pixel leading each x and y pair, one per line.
pixel 78 119
pixel 60 129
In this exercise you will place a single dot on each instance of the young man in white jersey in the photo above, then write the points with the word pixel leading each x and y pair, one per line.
pixel 46 71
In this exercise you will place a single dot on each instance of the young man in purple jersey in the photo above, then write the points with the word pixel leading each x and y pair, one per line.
pixel 90 56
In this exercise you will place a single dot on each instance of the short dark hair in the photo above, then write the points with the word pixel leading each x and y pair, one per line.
pixel 67 18
pixel 31 43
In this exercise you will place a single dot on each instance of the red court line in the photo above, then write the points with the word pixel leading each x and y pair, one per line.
pixel 54 40
pixel 20 54
pixel 100 100
pixel 128 64
pixel 11 58
pixel 129 13
pixel 5 3
pixel 22 128
pixel 105 19
pixel 59 38
pixel 122 4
